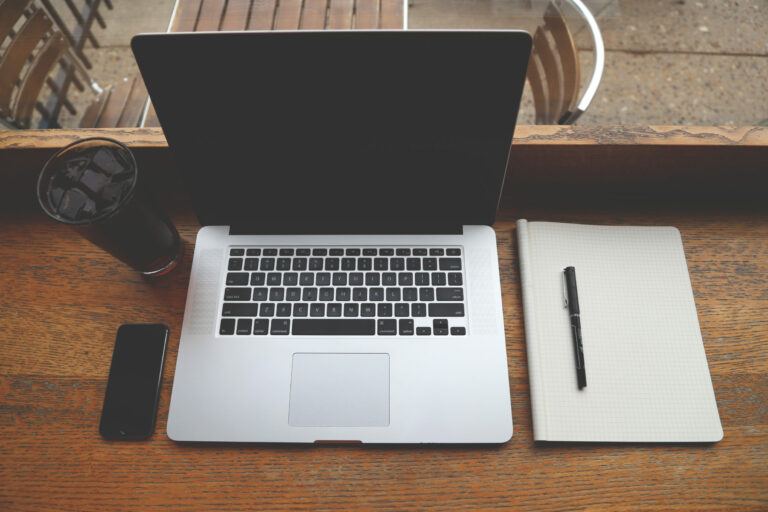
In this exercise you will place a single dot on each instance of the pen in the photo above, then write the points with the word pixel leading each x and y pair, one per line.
pixel 572 303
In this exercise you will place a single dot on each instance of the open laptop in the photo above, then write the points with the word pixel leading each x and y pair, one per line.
pixel 345 284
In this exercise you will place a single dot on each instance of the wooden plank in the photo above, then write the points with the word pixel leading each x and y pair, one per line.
pixel 568 56
pixel 340 14
pixel 93 113
pixel 313 14
pixel 211 14
pixel 236 15
pixel 10 12
pixel 186 15
pixel 134 107
pixel 392 14
pixel 287 15
pixel 262 15
pixel 115 107
pixel 151 120
pixel 366 14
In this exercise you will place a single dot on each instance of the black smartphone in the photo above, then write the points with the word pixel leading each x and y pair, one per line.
pixel 133 387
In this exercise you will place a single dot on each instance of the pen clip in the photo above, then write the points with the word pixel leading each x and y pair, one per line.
pixel 565 291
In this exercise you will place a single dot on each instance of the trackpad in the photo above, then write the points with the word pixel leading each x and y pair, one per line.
pixel 339 390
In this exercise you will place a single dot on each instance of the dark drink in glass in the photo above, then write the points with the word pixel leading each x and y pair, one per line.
pixel 92 185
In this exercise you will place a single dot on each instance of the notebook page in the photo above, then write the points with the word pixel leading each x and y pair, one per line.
pixel 647 372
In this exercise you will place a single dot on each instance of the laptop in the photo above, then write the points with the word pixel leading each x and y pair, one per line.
pixel 345 281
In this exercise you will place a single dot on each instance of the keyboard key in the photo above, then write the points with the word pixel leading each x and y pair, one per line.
pixel 270 252
pixel 403 252
pixel 450 263
pixel 410 294
pixel 347 263
pixel 303 252
pixel 419 252
pixel 336 252
pixel 237 278
pixel 237 294
pixel 307 279
pixel 227 326
pixel 260 326
pixel 429 263
pixel 276 294
pixel 236 252
pixel 421 279
pixel 267 309
pixel 310 294
pixel 356 279
pixel 235 264
pixel 389 279
pixel 440 326
pixel 423 331
pixel 368 309
pixel 446 309
pixel 253 252
pixel 323 279
pixel 339 279
pixel 317 309
pixel 251 264
pixel 438 278
pixel 280 327
pixel 372 279
pixel 386 252
pixel 293 294
pixel 405 279
pixel 397 264
pixel 260 294
pixel 283 263
pixel 364 263
pixel 267 264
pixel 406 327
pixel 418 309
pixel 402 309
pixel 376 294
pixel 384 309
pixel 426 294
pixel 343 294
pixel 450 294
pixel 359 294
pixel 331 263
pixel 290 279
pixel 286 252
pixel 274 279
pixel 315 263
pixel 435 252
pixel 353 252
pixel 458 331
pixel 378 264
pixel 300 309
pixel 455 279
pixel 258 278
pixel 351 309
pixel 333 327
pixel 333 309
pixel 387 327
pixel 284 309
pixel 326 294
pixel 453 252
pixel 244 326
pixel 319 252
pixel 240 309
pixel 369 252
pixel 299 264
pixel 393 294
pixel 413 263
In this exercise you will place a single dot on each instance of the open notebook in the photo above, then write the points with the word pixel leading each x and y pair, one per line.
pixel 647 373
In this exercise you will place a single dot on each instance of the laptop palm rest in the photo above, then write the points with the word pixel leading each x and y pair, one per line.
pixel 339 390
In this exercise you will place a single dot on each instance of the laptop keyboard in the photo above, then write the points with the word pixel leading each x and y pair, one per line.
pixel 363 291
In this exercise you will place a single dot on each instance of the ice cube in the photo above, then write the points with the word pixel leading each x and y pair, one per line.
pixel 110 161
pixel 71 204
pixel 93 180
pixel 55 195
pixel 74 168
pixel 88 210
pixel 112 193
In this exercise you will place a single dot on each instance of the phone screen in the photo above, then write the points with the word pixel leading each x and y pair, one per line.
pixel 130 402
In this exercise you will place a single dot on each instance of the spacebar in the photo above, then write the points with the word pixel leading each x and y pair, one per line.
pixel 332 327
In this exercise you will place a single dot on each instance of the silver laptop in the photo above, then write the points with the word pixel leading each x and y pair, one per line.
pixel 345 283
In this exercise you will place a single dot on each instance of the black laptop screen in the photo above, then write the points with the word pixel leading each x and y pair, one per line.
pixel 338 128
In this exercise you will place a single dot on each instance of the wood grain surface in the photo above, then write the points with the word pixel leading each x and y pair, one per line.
pixel 62 300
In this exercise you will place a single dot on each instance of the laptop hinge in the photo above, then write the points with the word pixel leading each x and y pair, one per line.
pixel 351 228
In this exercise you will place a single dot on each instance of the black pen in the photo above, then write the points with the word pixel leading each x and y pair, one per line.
pixel 572 303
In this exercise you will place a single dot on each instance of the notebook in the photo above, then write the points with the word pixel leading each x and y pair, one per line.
pixel 647 373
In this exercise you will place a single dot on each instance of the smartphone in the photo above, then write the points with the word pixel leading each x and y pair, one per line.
pixel 133 387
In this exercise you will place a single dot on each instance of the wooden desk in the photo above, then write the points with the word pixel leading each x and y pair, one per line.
pixel 61 301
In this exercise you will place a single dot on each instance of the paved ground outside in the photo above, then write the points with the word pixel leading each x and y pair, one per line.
pixel 668 62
